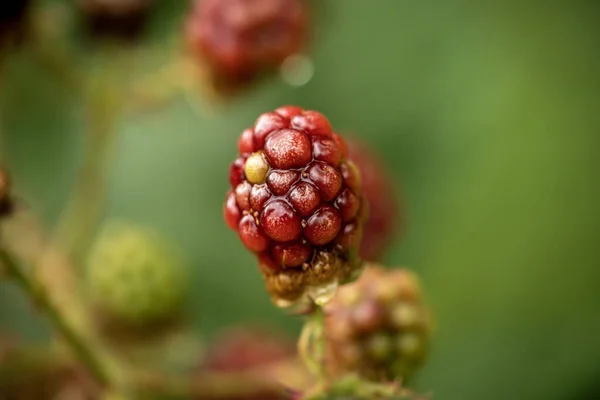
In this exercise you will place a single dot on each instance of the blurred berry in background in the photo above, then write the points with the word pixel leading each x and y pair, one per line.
pixel 239 40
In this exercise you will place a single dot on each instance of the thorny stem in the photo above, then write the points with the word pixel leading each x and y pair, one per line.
pixel 40 295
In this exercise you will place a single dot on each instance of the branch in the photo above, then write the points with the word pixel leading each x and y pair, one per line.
pixel 86 204
pixel 39 294
pixel 274 379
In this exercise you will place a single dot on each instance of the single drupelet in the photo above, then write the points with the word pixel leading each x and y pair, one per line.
pixel 296 202
pixel 239 39
pixel 378 326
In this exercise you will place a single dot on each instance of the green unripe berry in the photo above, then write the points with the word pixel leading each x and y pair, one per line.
pixel 134 276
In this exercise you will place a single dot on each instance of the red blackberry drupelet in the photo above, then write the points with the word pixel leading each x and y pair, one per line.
pixel 385 218
pixel 296 202
pixel 239 39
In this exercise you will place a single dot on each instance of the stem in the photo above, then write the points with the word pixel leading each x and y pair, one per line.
pixel 311 344
pixel 223 385
pixel 40 295
pixel 79 220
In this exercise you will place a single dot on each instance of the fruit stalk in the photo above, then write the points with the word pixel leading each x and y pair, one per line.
pixel 38 293
pixel 311 344
pixel 79 220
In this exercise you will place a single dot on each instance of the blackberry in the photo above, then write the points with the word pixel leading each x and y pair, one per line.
pixel 134 276
pixel 296 202
pixel 240 39
pixel 378 327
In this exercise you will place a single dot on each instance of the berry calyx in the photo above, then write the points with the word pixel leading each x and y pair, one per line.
pixel 240 39
pixel 385 218
pixel 296 202
pixel 134 277
pixel 378 326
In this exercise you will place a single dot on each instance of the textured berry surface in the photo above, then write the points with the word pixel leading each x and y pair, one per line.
pixel 242 348
pixel 384 216
pixel 239 39
pixel 134 276
pixel 123 19
pixel 378 326
pixel 296 202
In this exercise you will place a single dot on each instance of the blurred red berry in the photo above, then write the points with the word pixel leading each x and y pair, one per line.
pixel 384 217
pixel 378 326
pixel 124 19
pixel 242 348
pixel 240 39
pixel 296 202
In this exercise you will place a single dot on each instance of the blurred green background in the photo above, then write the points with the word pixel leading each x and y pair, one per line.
pixel 488 113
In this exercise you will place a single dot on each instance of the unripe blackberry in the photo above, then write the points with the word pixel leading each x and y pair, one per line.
pixel 123 19
pixel 378 326
pixel 240 39
pixel 385 216
pixel 242 348
pixel 296 202
pixel 134 277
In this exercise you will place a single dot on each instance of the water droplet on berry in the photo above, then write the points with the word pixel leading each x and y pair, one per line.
pixel 324 293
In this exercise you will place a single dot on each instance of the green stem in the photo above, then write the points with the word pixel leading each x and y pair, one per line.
pixel 84 210
pixel 311 344
pixel 40 295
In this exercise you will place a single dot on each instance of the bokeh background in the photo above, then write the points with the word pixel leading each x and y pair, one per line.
pixel 486 112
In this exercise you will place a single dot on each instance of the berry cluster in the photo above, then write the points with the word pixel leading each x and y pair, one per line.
pixel 239 39
pixel 134 277
pixel 378 326
pixel 296 202
pixel 385 217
